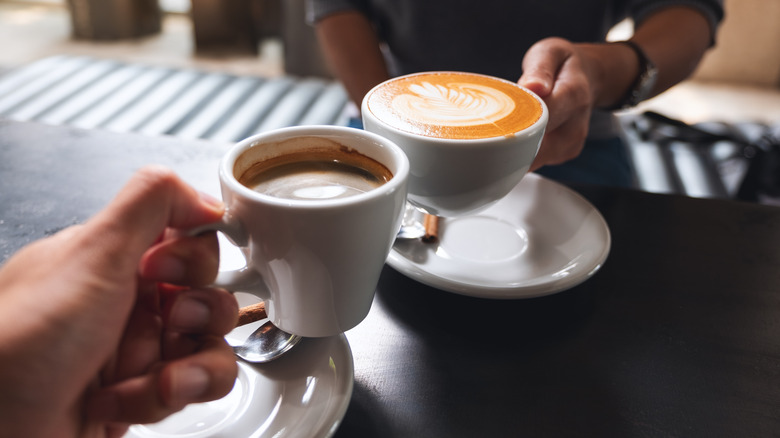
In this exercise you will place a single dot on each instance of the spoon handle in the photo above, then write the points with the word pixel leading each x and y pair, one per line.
pixel 251 313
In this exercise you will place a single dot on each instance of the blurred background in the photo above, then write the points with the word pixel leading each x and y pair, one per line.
pixel 259 58
pixel 269 37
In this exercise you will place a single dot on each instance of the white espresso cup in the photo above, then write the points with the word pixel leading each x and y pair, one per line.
pixel 314 239
pixel 470 138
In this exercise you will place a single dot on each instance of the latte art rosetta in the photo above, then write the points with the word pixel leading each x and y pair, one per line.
pixel 454 104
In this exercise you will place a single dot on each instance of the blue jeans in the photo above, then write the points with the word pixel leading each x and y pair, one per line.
pixel 603 162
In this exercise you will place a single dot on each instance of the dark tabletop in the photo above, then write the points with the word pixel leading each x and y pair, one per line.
pixel 677 335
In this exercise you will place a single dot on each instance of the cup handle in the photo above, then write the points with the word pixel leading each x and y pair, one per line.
pixel 243 279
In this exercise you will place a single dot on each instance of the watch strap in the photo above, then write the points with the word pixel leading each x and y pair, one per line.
pixel 643 84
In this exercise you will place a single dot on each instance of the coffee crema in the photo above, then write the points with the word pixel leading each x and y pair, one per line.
pixel 454 105
pixel 316 174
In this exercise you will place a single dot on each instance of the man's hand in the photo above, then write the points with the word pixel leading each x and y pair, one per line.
pixel 108 323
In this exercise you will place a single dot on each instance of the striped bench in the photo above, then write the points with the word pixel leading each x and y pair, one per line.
pixel 106 94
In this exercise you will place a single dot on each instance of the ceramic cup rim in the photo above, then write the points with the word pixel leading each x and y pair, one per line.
pixel 528 131
pixel 400 165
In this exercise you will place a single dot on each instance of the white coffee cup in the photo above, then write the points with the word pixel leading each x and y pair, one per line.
pixel 470 138
pixel 315 262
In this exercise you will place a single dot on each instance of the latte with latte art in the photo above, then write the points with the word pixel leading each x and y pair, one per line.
pixel 454 105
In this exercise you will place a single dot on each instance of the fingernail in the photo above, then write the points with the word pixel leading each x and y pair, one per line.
pixel 536 84
pixel 171 268
pixel 210 200
pixel 189 313
pixel 188 384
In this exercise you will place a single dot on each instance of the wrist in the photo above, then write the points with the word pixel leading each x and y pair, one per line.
pixel 642 86
pixel 613 71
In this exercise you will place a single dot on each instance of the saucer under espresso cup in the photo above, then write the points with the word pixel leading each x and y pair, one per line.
pixel 303 394
pixel 470 138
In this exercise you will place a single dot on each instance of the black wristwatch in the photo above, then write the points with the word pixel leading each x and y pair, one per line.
pixel 645 81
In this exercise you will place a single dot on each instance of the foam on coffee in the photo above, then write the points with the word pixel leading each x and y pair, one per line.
pixel 316 174
pixel 454 105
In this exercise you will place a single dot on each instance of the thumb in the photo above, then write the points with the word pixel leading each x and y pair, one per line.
pixel 541 65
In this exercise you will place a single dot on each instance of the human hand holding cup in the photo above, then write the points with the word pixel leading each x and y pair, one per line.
pixel 314 210
pixel 469 138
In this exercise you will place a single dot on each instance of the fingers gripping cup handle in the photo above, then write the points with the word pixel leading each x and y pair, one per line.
pixel 244 279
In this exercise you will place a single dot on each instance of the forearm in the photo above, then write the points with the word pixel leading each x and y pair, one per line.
pixel 351 49
pixel 675 39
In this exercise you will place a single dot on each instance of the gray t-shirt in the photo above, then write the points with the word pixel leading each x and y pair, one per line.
pixel 492 36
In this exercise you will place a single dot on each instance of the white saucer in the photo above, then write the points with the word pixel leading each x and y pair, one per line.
pixel 304 393
pixel 542 238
